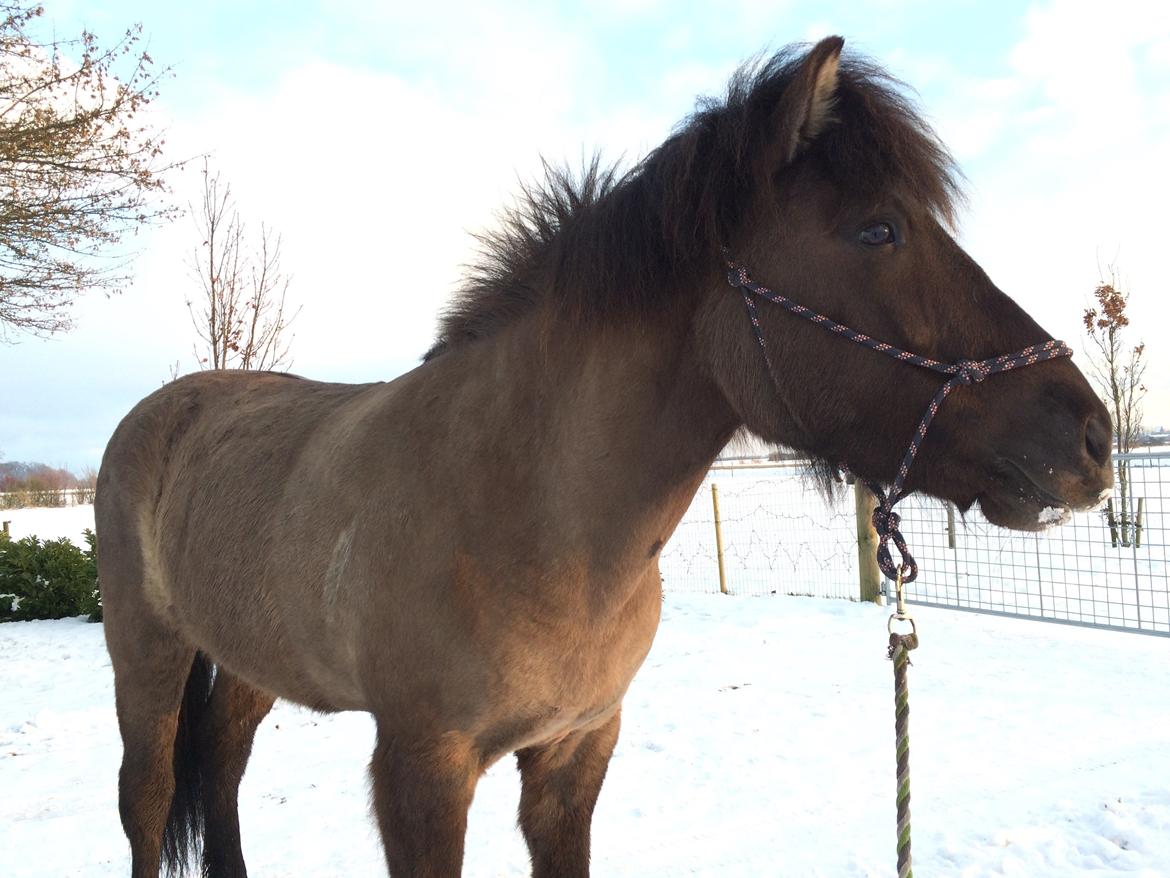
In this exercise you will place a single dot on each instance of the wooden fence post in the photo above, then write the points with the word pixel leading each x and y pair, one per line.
pixel 4 527
pixel 718 539
pixel 869 574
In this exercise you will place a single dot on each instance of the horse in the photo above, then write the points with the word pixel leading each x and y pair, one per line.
pixel 469 552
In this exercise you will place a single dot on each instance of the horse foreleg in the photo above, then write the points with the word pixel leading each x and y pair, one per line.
pixel 422 791
pixel 560 785
pixel 234 712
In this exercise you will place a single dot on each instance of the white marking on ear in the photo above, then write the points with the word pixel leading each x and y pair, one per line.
pixel 818 81
pixel 820 111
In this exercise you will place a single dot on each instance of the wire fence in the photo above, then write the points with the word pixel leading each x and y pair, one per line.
pixel 1099 569
pixel 781 535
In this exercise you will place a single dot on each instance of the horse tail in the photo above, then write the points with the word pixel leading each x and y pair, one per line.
pixel 183 835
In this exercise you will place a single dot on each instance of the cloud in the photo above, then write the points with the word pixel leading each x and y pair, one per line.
pixel 377 181
pixel 376 169
pixel 374 183
pixel 1066 148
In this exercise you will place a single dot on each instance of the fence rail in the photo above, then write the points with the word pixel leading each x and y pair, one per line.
pixel 780 534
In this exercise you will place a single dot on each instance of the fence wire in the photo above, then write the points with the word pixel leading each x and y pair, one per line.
pixel 781 535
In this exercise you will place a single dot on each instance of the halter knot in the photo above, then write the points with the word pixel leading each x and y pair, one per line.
pixel 885 520
pixel 737 276
pixel 971 371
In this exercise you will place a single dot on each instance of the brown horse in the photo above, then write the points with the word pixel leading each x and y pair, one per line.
pixel 469 552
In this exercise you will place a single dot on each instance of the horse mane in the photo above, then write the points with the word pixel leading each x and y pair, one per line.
pixel 605 242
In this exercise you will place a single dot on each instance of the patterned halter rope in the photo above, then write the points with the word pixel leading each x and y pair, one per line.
pixel 885 520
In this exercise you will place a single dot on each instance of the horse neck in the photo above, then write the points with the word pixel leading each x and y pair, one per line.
pixel 629 425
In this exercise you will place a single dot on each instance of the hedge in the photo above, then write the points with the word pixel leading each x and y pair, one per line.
pixel 48 580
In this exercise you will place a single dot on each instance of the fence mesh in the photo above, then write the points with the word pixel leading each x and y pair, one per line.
pixel 1086 572
pixel 782 536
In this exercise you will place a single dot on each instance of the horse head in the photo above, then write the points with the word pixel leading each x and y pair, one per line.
pixel 845 202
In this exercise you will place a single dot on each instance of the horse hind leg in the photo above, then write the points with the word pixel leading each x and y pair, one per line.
pixel 154 675
pixel 224 742
pixel 185 748
pixel 560 784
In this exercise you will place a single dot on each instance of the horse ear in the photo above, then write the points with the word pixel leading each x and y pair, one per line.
pixel 807 107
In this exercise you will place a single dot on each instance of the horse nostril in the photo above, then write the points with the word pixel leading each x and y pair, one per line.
pixel 1098 438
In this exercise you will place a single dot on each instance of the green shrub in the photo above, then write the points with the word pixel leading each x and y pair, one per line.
pixel 48 580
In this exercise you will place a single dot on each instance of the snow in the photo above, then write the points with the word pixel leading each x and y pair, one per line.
pixel 1102 500
pixel 50 522
pixel 757 740
pixel 1054 516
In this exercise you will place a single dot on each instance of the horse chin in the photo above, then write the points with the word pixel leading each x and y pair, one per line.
pixel 1024 512
pixel 1023 499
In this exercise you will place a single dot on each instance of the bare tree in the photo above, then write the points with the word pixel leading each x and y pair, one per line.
pixel 1118 370
pixel 240 317
pixel 79 166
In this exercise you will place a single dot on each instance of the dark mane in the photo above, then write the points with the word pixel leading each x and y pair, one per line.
pixel 604 242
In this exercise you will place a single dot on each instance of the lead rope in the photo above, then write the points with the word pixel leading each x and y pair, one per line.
pixel 899 652
pixel 885 521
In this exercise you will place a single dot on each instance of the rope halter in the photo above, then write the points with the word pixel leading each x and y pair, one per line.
pixel 885 521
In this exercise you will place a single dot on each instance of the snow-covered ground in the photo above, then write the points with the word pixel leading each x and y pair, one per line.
pixel 50 523
pixel 757 741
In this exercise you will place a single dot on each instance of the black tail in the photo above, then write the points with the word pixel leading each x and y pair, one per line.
pixel 183 836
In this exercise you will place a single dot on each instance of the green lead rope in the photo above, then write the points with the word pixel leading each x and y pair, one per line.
pixel 900 646
pixel 899 652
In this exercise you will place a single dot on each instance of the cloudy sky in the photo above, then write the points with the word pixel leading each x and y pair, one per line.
pixel 376 138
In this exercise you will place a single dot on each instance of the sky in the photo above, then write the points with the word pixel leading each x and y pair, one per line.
pixel 376 138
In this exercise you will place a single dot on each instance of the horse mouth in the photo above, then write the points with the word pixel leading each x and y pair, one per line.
pixel 1020 499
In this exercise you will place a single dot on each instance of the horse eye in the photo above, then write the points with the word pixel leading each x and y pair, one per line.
pixel 877 234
